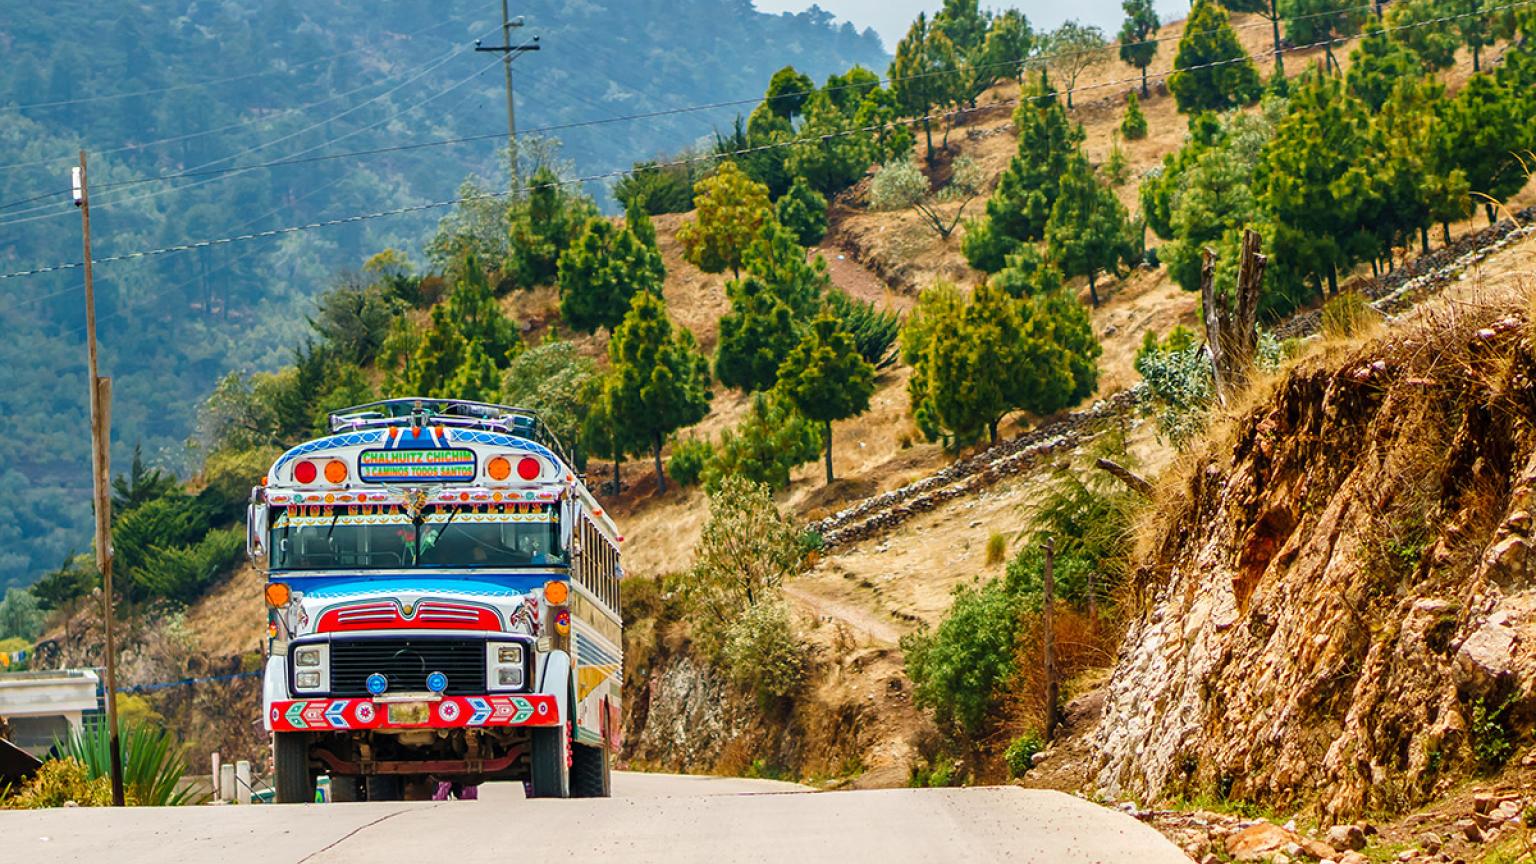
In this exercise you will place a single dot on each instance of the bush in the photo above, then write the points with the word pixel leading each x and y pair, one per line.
pixel 689 456
pixel 1116 169
pixel 1346 315
pixel 1134 125
pixel 1489 733
pixel 874 330
pixel 182 574
pixel 59 782
pixel 770 442
pixel 746 551
pixel 658 188
pixel 958 668
pixel 1176 375
pixel 897 186
pixel 1020 753
pixel 152 761
pixel 764 653
pixel 985 249
pixel 997 548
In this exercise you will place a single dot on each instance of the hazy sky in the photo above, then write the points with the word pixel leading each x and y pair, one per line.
pixel 890 18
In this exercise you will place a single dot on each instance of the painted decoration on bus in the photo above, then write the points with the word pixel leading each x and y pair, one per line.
pixel 414 466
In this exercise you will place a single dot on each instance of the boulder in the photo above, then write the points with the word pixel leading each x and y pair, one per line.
pixel 1486 658
pixel 1346 837
pixel 1263 841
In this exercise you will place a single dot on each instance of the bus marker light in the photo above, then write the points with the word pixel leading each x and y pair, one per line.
pixel 563 622
pixel 277 594
pixel 437 682
pixel 498 468
pixel 336 472
pixel 556 593
pixel 529 468
pixel 304 472
pixel 377 684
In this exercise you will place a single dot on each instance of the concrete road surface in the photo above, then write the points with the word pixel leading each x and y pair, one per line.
pixel 658 818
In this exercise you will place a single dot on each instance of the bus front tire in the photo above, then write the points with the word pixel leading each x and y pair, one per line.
pixel 549 775
pixel 290 762
pixel 590 773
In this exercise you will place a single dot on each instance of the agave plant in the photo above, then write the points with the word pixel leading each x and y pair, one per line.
pixel 152 761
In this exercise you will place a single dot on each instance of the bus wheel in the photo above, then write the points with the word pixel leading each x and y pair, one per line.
pixel 384 787
pixel 290 762
pixel 590 777
pixel 551 776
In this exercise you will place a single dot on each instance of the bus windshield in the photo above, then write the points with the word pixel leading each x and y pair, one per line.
pixel 388 538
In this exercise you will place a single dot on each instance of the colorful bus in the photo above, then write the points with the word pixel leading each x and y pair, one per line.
pixel 442 607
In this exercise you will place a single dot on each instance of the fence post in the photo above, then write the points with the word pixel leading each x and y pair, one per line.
pixel 1052 687
pixel 218 794
pixel 227 781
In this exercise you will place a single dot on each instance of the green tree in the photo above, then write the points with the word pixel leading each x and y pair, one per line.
pixel 1419 25
pixel 353 317
pixel 1137 45
pixel 1481 23
pixel 552 379
pixel 1208 39
pixel 656 187
pixel 437 359
pixel 1007 46
pixel 1134 125
pixel 1308 22
pixel 745 553
pixel 474 312
pixel 731 209
pixel 964 23
pixel 661 382
pixel 1089 229
pixel 772 440
pixel 1215 198
pixel 959 670
pixel 803 210
pixel 1027 273
pixel 1376 65
pixel 64 587
pixel 1021 205
pixel 1269 10
pixel 926 74
pixel 637 221
pixel 1074 48
pixel 601 271
pixel 849 89
pixel 542 223
pixel 880 111
pixel 874 330
pixel 788 91
pixel 1480 131
pixel 830 152
pixel 826 378
pixel 141 484
pixel 476 378
pixel 755 336
pixel 777 257
pixel 20 615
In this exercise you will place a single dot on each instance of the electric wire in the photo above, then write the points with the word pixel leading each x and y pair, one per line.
pixel 711 157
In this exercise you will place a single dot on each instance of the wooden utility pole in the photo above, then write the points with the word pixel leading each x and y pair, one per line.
pixel 1048 636
pixel 508 50
pixel 101 436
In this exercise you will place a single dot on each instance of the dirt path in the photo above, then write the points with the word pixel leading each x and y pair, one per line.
pixel 866 621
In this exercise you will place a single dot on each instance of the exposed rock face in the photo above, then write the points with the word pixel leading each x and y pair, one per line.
pixel 1332 595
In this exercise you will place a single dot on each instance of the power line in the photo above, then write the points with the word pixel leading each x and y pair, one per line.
pixel 621 172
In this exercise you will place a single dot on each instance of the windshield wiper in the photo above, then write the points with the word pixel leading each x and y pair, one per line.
pixel 436 535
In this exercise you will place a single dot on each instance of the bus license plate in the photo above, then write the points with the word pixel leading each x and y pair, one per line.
pixel 408 713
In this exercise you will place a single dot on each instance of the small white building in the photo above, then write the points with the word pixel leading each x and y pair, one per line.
pixel 41 707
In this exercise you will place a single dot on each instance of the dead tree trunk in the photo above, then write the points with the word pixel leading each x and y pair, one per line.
pixel 1231 331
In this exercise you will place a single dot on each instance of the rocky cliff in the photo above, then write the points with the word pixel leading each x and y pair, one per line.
pixel 1339 611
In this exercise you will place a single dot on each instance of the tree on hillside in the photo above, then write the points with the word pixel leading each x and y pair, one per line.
pixel 1376 65
pixel 1021 205
pixel 880 111
pixel 600 272
pixel 1481 23
pixel 755 336
pixel 826 378
pixel 1003 53
pixel 1137 47
pixel 1216 201
pixel 438 356
pixel 788 91
pixel 803 210
pixel 777 257
pixel 1027 273
pixel 604 433
pixel 1208 39
pixel 772 440
pixel 1072 49
pixel 476 378
pixel 542 223
pixel 353 318
pixel 926 74
pixel 744 555
pixel 830 152
pixel 552 379
pixel 1480 131
pixel 1134 125
pixel 1308 22
pixel 1419 25
pixel 964 23
pixel 657 187
pixel 730 211
pixel 141 484
pixel 1089 229
pixel 849 89
pixel 1269 10
pixel 660 381
pixel 473 309
pixel 637 220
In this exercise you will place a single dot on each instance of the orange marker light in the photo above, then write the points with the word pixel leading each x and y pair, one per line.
pixel 336 471
pixel 556 593
pixel 277 594
pixel 498 468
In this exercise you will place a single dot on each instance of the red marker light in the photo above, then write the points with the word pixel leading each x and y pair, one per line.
pixel 305 472
pixel 529 468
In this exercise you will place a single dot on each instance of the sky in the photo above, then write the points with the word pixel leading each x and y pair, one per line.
pixel 890 18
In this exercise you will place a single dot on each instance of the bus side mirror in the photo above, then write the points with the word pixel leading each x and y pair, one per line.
pixel 256 532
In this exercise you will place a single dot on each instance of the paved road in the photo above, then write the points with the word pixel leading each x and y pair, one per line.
pixel 652 818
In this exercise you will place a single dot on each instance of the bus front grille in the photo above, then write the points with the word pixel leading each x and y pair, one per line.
pixel 406 663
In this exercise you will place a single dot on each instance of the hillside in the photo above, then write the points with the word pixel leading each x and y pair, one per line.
pixel 171 87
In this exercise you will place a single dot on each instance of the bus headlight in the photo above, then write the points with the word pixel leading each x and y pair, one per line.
pixel 311 668
pixel 505 663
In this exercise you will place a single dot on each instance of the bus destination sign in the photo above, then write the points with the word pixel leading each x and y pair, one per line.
pixel 416 466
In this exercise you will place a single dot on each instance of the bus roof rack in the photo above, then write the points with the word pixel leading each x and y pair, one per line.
pixel 461 413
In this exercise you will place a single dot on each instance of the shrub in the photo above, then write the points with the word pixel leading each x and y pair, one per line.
pixel 1490 734
pixel 1346 315
pixel 659 188
pixel 745 553
pixel 182 574
pixel 1117 169
pixel 997 549
pixel 770 442
pixel 897 186
pixel 1134 125
pixel 1021 751
pixel 1176 375
pixel 152 761
pixel 803 210
pixel 874 330
pixel 59 782
pixel 20 615
pixel 764 653
pixel 958 668
pixel 689 456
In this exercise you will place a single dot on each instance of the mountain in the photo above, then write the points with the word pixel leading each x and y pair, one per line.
pixel 181 87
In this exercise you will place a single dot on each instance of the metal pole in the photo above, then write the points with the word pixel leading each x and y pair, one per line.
pixel 506 65
pixel 1052 687
pixel 101 424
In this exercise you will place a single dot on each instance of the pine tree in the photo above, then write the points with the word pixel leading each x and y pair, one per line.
pixel 660 381
pixel 1021 205
pixel 764 447
pixel 1008 44
pixel 476 378
pixel 830 152
pixel 1136 46
pixel 473 309
pixel 1376 65
pixel 1269 10
pixel 826 379
pixel 1216 196
pixel 879 110
pixel 964 23
pixel 849 89
pixel 779 260
pixel 1027 273
pixel 637 220
pixel 1134 125
pixel 1309 22
pixel 542 223
pixel 1089 228
pixel 601 270
pixel 1208 39
pixel 803 210
pixel 788 91
pixel 438 357
pixel 1480 131
pixel 755 336
pixel 1419 25
pixel 730 209
pixel 926 74
pixel 1481 23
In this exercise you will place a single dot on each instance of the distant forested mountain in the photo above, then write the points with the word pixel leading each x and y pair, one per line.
pixel 192 86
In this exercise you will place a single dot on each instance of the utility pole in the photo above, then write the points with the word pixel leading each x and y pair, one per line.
pixel 101 425
pixel 508 51
pixel 1052 686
